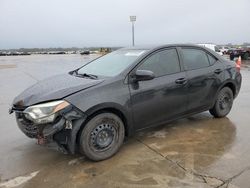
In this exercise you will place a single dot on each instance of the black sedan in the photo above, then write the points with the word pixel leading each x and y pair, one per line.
pixel 91 109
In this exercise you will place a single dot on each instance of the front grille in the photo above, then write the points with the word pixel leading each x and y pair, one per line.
pixel 26 126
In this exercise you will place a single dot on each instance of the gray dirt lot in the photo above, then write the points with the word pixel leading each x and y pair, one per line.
pixel 199 151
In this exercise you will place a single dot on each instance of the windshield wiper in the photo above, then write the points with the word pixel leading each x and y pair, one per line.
pixel 88 75
pixel 76 73
pixel 92 76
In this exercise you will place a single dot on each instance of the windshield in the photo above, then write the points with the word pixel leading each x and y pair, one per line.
pixel 111 64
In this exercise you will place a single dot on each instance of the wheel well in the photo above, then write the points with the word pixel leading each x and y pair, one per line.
pixel 231 86
pixel 119 114
pixel 112 110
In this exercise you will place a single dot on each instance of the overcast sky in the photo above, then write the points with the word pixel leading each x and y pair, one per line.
pixel 79 23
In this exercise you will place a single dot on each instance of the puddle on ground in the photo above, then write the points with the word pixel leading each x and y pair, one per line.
pixel 7 66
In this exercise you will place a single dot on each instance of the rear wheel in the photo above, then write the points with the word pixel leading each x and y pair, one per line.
pixel 223 104
pixel 102 136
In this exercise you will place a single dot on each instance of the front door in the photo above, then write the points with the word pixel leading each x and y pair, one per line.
pixel 162 98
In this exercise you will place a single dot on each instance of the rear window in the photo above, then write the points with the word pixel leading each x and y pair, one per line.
pixel 194 58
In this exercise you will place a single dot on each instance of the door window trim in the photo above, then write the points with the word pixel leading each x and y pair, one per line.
pixel 216 59
pixel 154 52
pixel 196 48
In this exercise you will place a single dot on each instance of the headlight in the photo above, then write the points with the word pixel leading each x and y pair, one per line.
pixel 46 112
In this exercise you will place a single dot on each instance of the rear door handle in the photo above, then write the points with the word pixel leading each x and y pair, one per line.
pixel 217 71
pixel 181 81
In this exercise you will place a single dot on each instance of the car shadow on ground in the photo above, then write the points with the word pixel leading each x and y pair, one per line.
pixel 157 156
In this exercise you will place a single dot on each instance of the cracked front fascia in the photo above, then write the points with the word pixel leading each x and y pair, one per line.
pixel 77 117
pixel 75 129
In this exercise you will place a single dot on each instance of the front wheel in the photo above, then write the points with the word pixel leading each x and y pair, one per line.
pixel 102 136
pixel 223 103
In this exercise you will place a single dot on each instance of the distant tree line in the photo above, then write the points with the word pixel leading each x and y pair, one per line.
pixel 26 50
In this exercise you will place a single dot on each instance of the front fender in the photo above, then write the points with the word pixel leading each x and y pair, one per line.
pixel 116 108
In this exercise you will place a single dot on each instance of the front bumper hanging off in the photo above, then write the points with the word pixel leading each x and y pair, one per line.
pixel 63 130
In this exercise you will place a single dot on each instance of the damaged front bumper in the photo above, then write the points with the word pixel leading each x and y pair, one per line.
pixel 63 130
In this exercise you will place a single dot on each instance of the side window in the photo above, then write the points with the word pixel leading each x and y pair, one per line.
pixel 162 63
pixel 212 60
pixel 194 58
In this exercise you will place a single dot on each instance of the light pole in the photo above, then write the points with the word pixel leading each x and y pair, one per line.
pixel 132 20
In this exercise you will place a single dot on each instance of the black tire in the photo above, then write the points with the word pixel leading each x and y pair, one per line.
pixel 246 56
pixel 223 103
pixel 102 136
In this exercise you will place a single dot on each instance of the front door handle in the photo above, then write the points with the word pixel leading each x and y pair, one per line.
pixel 181 81
pixel 217 71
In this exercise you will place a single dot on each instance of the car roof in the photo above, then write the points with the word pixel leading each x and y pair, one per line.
pixel 156 47
pixel 152 47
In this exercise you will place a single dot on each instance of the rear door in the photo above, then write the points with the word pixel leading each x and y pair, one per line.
pixel 204 75
pixel 164 97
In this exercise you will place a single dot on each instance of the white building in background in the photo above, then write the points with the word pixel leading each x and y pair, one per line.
pixel 213 47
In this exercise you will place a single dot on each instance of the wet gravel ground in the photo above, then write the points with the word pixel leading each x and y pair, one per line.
pixel 199 151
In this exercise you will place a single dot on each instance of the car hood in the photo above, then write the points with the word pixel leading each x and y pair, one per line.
pixel 53 88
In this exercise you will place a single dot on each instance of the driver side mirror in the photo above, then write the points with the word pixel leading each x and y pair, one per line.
pixel 143 75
